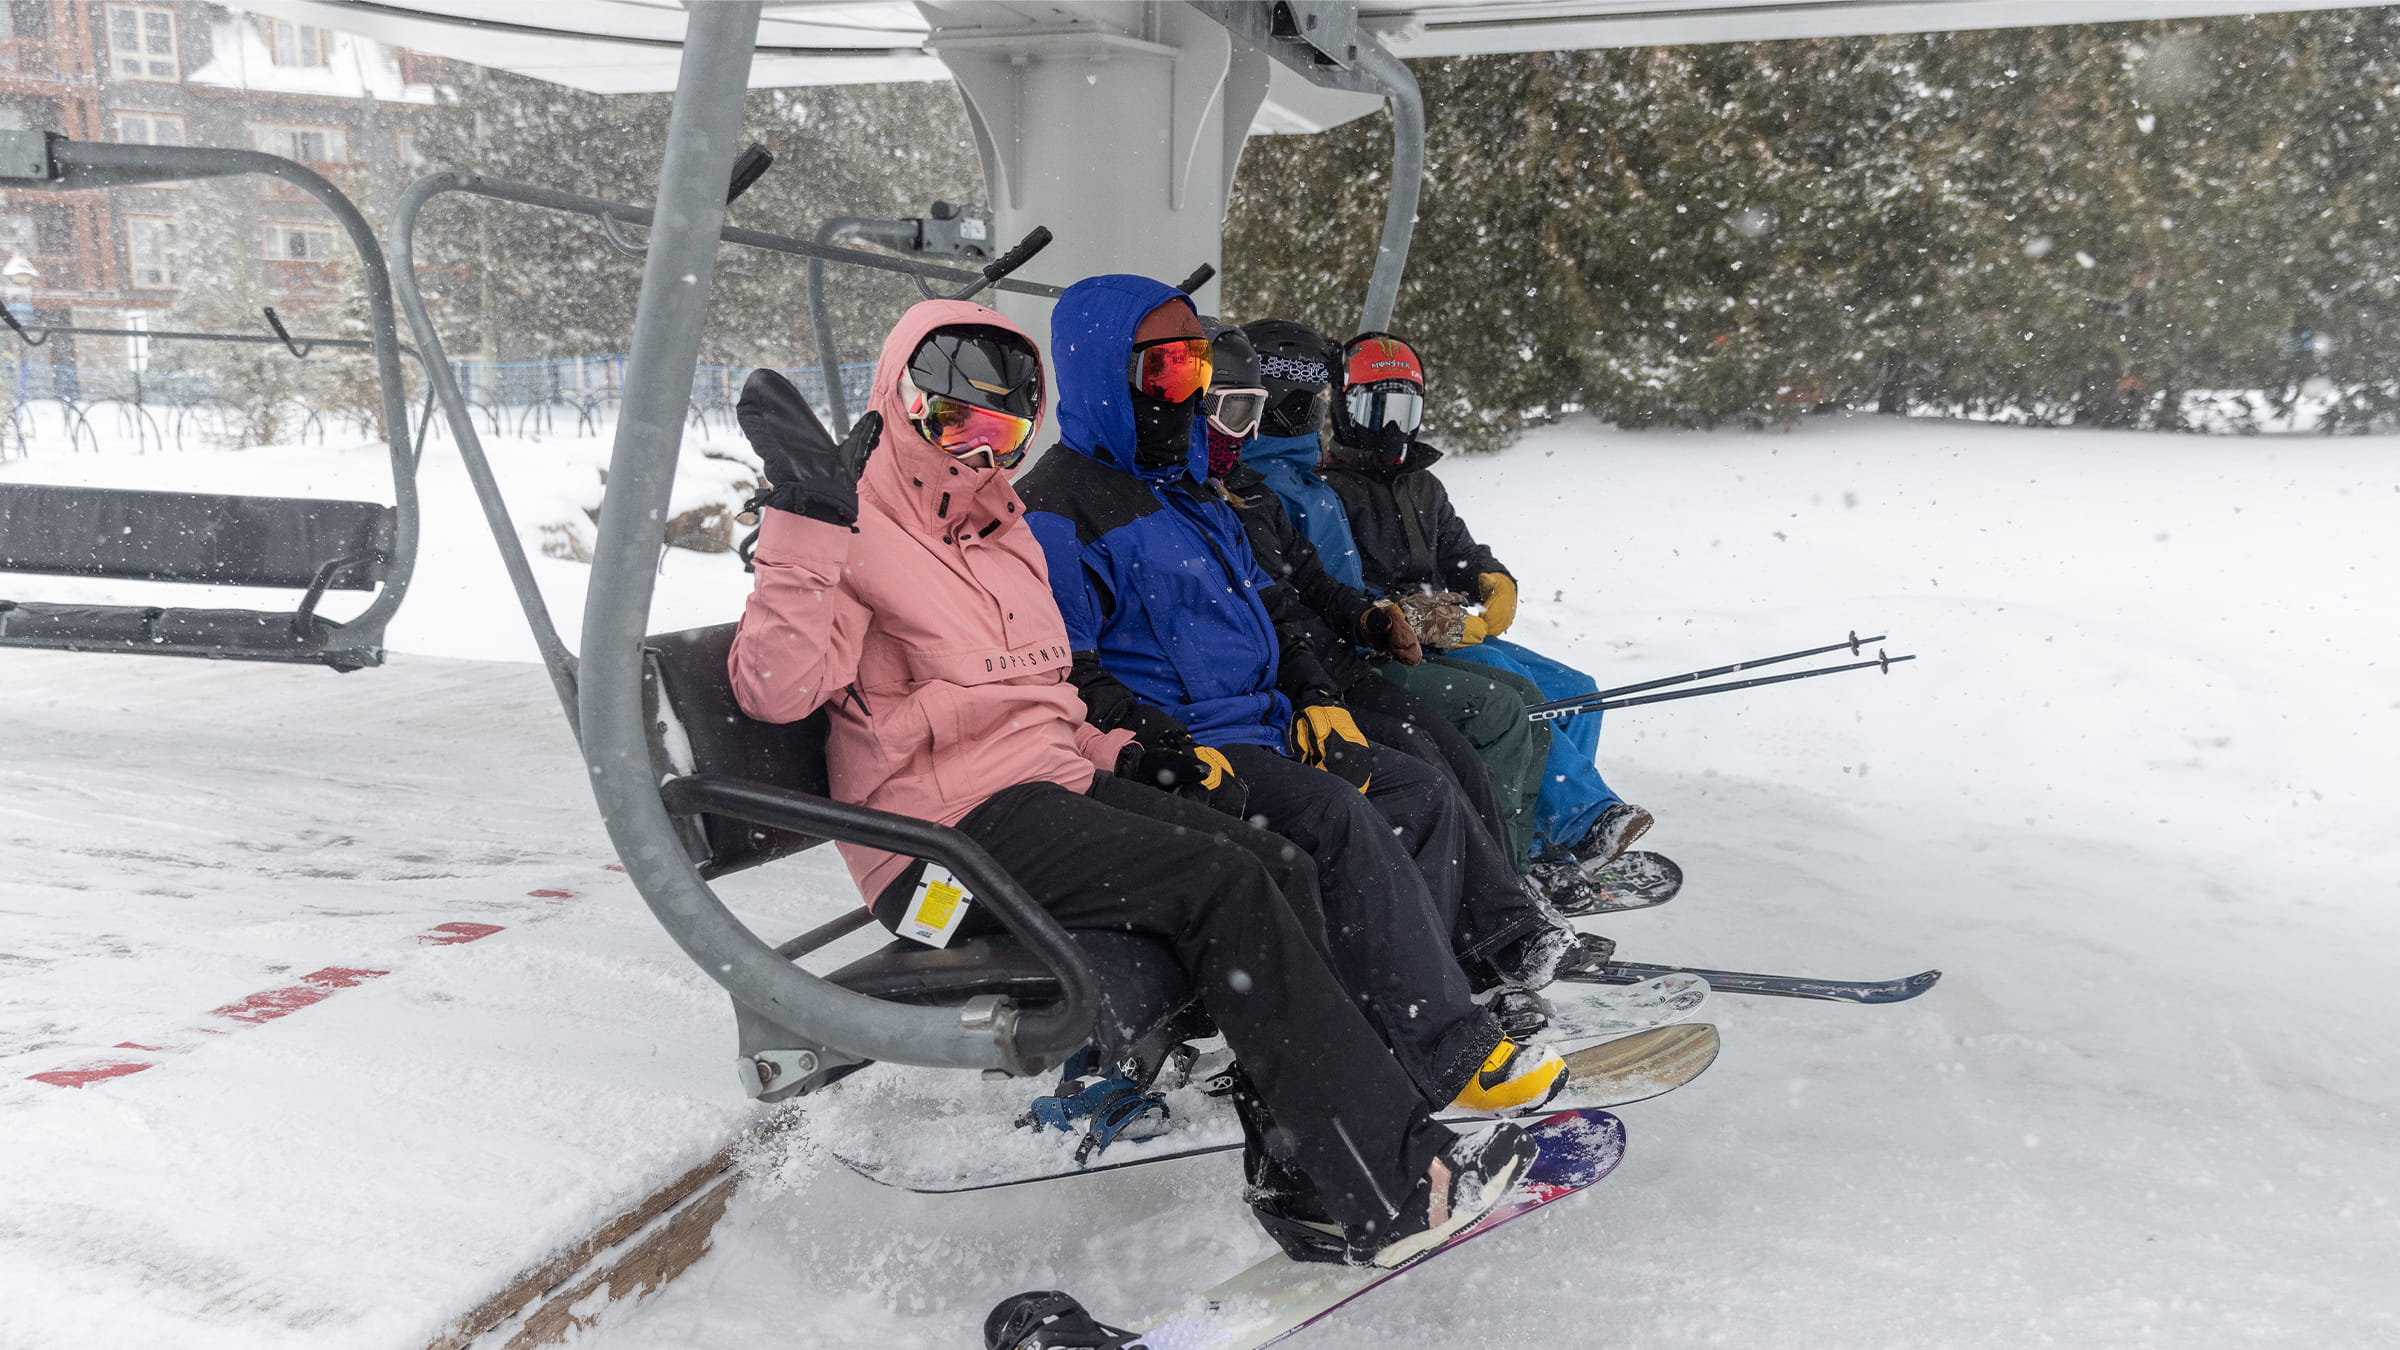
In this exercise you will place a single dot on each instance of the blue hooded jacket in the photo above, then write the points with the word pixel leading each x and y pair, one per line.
pixel 1153 573
pixel 1289 465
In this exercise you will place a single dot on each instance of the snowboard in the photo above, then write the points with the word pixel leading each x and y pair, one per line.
pixel 1633 880
pixel 1280 1296
pixel 1614 1073
pixel 1583 1013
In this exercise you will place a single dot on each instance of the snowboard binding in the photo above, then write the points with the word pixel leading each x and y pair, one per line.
pixel 1049 1319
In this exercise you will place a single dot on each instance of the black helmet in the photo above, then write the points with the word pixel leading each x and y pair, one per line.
pixel 1295 366
pixel 1235 398
pixel 988 367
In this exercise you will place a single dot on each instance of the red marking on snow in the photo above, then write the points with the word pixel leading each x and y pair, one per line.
pixel 76 1078
pixel 132 1045
pixel 552 895
pixel 313 988
pixel 612 867
pixel 451 934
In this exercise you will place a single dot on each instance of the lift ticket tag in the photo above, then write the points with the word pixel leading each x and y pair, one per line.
pixel 936 909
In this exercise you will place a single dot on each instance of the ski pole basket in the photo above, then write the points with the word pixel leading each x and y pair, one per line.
pixel 304 544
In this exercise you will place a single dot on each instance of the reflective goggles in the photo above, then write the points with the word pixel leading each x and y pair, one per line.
pixel 1377 404
pixel 966 430
pixel 1173 370
pixel 1236 411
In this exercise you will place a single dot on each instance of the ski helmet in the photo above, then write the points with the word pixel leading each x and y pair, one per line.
pixel 972 389
pixel 1295 366
pixel 1381 396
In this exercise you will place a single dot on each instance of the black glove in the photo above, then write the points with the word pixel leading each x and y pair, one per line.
pixel 807 474
pixel 1188 770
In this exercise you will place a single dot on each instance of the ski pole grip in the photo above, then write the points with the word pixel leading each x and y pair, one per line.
pixel 1034 242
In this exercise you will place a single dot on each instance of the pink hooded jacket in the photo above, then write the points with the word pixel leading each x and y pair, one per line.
pixel 930 629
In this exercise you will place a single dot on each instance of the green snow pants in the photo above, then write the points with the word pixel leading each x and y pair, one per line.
pixel 1488 705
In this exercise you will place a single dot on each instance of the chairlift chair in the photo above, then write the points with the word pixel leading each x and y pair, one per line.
pixel 311 545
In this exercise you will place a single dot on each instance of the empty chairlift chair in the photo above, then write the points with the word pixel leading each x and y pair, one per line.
pixel 303 544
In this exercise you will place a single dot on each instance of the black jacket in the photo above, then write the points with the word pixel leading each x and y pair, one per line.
pixel 1334 610
pixel 1409 538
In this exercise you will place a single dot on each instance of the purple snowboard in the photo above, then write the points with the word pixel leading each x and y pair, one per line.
pixel 1279 1296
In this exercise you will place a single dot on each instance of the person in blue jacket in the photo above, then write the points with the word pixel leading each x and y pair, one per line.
pixel 1175 635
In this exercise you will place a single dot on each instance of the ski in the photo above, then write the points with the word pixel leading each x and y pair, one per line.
pixel 1615 1073
pixel 1781 986
pixel 1634 880
pixel 1279 1296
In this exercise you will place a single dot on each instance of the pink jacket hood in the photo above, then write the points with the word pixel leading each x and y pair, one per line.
pixel 929 629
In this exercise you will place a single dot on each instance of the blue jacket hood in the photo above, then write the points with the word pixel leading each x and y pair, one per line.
pixel 1300 452
pixel 1091 340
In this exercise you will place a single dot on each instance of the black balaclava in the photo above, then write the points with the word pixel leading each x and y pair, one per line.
pixel 1162 431
pixel 1296 366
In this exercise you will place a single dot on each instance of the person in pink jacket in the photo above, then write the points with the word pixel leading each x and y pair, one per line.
pixel 898 586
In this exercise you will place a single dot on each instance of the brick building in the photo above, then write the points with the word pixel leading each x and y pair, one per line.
pixel 189 74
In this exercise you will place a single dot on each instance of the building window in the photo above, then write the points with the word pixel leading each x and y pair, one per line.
pixel 297 44
pixel 150 251
pixel 313 145
pixel 288 242
pixel 26 19
pixel 149 128
pixel 404 148
pixel 55 230
pixel 141 42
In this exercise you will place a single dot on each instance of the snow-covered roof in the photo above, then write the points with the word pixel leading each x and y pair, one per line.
pixel 628 46
pixel 357 68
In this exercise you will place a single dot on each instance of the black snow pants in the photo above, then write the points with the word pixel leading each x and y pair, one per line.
pixel 1125 858
pixel 1391 715
pixel 1393 871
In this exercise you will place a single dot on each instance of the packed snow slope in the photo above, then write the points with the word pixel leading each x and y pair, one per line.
pixel 2135 800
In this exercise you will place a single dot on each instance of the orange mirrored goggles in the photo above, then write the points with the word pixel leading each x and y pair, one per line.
pixel 1173 369
pixel 964 429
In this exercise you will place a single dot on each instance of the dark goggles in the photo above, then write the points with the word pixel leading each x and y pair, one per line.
pixel 1172 370
pixel 1390 402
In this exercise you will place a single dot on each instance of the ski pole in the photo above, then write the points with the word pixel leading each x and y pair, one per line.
pixel 1595 704
pixel 1854 646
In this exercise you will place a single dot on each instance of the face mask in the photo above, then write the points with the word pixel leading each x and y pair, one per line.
pixel 1162 431
pixel 1224 452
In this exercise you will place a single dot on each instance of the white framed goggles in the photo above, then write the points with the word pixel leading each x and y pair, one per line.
pixel 1235 412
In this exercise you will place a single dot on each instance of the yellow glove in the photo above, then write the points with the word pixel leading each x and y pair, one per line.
pixel 1473 629
pixel 1499 603
pixel 1324 737
pixel 1220 769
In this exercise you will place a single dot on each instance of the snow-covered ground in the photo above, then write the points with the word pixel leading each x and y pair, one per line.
pixel 2135 799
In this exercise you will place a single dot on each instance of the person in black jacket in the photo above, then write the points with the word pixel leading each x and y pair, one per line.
pixel 1409 538
pixel 1340 619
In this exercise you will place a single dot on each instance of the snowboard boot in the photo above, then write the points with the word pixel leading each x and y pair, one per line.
pixel 1560 881
pixel 1532 960
pixel 1610 835
pixel 1047 1319
pixel 1514 1079
pixel 1589 956
pixel 1485 1165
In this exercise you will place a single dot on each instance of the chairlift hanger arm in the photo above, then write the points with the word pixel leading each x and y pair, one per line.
pixel 1049 1034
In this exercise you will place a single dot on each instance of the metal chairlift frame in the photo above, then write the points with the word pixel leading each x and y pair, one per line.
pixel 48 161
pixel 604 690
pixel 835 1025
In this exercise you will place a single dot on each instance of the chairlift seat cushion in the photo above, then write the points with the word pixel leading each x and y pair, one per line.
pixel 698 727
pixel 220 634
pixel 281 542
